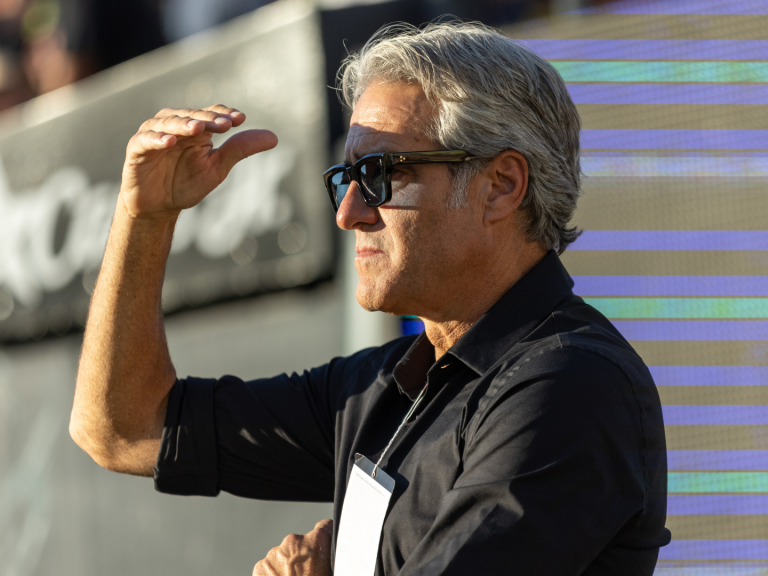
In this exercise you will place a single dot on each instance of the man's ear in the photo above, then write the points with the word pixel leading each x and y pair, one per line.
pixel 507 184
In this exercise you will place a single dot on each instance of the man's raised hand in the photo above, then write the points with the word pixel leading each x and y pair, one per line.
pixel 171 163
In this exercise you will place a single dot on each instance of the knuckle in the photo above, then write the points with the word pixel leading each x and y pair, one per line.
pixel 291 540
pixel 272 555
pixel 137 145
pixel 324 524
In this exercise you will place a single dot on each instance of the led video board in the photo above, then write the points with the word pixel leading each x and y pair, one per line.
pixel 673 97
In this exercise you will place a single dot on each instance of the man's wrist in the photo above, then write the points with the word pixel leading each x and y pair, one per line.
pixel 158 223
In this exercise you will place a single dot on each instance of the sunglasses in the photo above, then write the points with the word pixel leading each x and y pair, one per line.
pixel 373 173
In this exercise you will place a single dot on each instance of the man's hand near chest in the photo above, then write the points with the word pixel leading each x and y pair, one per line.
pixel 300 555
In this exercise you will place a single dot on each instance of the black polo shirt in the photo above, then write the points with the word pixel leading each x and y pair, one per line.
pixel 538 449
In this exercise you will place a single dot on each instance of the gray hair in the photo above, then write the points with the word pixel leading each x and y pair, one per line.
pixel 491 95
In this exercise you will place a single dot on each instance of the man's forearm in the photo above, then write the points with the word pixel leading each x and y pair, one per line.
pixel 125 369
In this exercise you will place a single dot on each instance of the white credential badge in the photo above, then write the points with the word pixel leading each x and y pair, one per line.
pixel 365 508
pixel 362 518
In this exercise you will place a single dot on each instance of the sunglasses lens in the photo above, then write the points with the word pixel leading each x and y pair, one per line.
pixel 340 185
pixel 374 183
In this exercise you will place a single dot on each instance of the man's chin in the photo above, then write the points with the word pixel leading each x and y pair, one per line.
pixel 372 297
pixel 368 303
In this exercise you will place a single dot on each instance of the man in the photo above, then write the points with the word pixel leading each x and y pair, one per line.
pixel 535 443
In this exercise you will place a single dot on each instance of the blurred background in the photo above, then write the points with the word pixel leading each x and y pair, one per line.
pixel 673 97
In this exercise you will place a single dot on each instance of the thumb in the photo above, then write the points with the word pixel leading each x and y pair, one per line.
pixel 322 534
pixel 324 526
pixel 241 145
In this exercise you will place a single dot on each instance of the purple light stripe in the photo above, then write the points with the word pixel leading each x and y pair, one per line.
pixel 717 504
pixel 717 460
pixel 669 93
pixel 705 7
pixel 578 49
pixel 710 569
pixel 710 375
pixel 715 550
pixel 671 285
pixel 723 415
pixel 620 164
pixel 623 139
pixel 672 240
pixel 699 330
pixel 708 155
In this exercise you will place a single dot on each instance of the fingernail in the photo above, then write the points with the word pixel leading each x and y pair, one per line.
pixel 193 123
pixel 166 138
pixel 237 113
pixel 220 121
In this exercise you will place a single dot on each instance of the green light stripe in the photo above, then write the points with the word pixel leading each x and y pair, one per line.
pixel 688 72
pixel 681 307
pixel 720 482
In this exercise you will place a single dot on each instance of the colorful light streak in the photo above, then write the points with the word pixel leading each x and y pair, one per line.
pixel 717 504
pixel 717 460
pixel 695 72
pixel 693 330
pixel 682 7
pixel 710 375
pixel 701 166
pixel 671 286
pixel 718 415
pixel 672 240
pixel 710 568
pixel 628 139
pixel 715 550
pixel 628 49
pixel 720 482
pixel 669 308
pixel 689 94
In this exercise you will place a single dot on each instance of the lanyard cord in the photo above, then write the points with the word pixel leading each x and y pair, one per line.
pixel 416 403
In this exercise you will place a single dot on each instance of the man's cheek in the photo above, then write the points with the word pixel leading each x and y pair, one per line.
pixel 405 196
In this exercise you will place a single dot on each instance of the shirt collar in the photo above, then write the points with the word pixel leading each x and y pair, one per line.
pixel 411 371
pixel 515 314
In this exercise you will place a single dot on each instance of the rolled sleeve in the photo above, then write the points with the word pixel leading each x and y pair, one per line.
pixel 187 460
pixel 270 439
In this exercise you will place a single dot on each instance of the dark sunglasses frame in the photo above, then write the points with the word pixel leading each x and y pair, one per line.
pixel 387 162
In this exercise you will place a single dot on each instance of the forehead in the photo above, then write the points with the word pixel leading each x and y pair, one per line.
pixel 389 117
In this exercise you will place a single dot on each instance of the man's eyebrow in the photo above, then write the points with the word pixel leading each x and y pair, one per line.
pixel 355 155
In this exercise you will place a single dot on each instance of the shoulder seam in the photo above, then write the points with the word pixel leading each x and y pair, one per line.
pixel 641 412
pixel 496 386
pixel 554 329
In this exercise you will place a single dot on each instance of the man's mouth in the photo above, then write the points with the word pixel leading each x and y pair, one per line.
pixel 366 251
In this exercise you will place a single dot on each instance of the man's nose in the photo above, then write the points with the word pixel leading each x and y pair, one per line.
pixel 353 213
